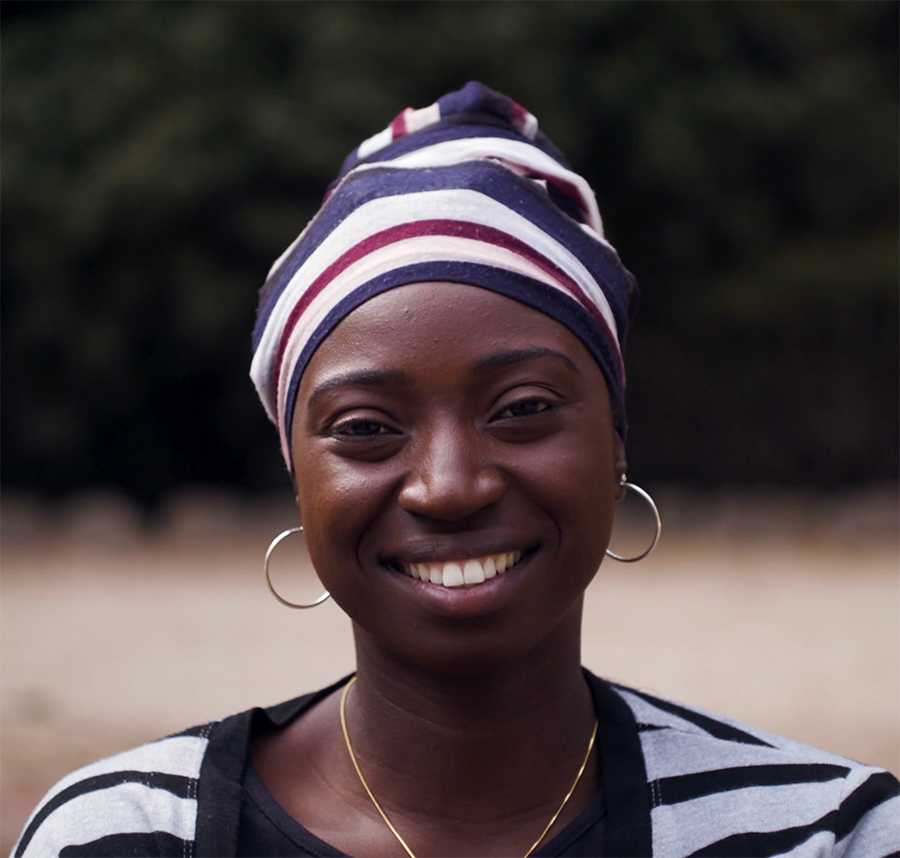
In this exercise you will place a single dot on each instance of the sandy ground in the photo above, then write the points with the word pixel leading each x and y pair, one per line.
pixel 110 641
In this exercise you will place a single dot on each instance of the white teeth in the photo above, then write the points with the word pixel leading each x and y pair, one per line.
pixel 453 575
pixel 459 573
pixel 490 568
pixel 473 573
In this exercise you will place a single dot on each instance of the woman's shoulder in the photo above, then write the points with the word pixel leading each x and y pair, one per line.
pixel 139 802
pixel 741 781
pixel 146 801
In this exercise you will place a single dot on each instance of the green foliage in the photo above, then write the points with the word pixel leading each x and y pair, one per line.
pixel 158 156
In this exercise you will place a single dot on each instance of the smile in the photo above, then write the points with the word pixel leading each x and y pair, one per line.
pixel 462 573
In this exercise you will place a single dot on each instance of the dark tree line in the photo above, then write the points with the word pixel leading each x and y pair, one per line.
pixel 158 156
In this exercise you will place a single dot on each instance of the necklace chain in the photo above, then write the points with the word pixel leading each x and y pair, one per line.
pixel 390 825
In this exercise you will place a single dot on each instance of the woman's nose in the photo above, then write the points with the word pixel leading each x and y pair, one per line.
pixel 449 478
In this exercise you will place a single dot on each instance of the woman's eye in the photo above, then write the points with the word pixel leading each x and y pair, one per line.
pixel 360 428
pixel 524 408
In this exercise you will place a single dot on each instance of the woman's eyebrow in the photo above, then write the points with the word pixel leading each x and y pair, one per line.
pixel 518 355
pixel 357 378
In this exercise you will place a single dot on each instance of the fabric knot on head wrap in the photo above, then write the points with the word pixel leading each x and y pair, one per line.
pixel 467 190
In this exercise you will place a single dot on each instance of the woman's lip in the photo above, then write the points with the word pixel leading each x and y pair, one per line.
pixel 454 555
pixel 463 595
pixel 465 601
pixel 463 573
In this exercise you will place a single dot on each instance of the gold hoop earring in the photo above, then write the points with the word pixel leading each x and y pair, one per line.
pixel 653 508
pixel 272 546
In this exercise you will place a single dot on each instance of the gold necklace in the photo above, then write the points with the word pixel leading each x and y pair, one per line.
pixel 390 825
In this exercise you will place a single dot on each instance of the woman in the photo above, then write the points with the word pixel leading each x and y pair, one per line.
pixel 441 351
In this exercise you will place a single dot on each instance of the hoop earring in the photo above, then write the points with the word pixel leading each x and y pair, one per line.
pixel 639 491
pixel 272 546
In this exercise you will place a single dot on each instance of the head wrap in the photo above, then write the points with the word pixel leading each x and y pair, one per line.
pixel 467 190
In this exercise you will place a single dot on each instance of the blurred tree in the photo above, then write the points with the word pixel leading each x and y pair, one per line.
pixel 158 156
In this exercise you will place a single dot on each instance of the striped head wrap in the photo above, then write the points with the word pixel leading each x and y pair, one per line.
pixel 467 190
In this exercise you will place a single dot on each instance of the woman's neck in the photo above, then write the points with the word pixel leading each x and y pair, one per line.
pixel 468 763
pixel 475 746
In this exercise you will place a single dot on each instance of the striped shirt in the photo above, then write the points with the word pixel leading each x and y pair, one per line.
pixel 677 782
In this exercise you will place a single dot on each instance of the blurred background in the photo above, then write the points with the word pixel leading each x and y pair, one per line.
pixel 156 159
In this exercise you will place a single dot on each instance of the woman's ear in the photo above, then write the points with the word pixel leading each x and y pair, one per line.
pixel 297 504
pixel 296 487
pixel 621 466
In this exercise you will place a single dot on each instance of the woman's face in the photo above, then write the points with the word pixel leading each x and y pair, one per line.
pixel 446 425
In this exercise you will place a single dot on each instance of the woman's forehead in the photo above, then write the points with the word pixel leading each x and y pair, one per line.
pixel 431 326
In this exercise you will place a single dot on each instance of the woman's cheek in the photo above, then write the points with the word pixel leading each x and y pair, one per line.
pixel 575 483
pixel 341 504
